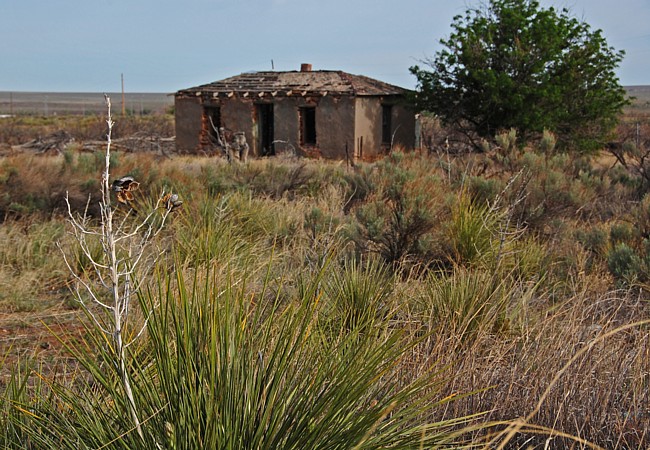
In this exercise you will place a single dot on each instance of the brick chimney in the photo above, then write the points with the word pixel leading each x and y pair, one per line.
pixel 305 67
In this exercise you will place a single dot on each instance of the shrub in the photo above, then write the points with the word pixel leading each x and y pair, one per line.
pixel 402 209
pixel 595 240
pixel 547 142
pixel 620 233
pixel 624 263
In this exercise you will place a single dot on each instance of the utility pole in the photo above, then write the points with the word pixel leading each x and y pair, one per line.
pixel 123 104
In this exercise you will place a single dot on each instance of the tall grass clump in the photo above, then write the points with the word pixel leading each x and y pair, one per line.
pixel 224 366
pixel 241 369
pixel 359 294
pixel 208 232
pixel 27 268
pixel 470 232
pixel 465 302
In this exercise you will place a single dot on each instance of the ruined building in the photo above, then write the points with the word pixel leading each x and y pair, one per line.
pixel 323 113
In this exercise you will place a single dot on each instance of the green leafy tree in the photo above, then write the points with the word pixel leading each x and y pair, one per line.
pixel 512 64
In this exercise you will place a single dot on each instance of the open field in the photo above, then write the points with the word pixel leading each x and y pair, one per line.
pixel 534 299
pixel 507 291
pixel 641 95
pixel 640 106
pixel 60 103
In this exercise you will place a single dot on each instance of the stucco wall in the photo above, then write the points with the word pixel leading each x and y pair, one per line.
pixel 334 124
pixel 237 116
pixel 285 121
pixel 367 130
pixel 188 117
pixel 335 127
pixel 368 127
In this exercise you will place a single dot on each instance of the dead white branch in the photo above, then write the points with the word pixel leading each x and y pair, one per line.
pixel 117 270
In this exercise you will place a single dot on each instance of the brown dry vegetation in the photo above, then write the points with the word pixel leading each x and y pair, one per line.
pixel 21 129
pixel 522 275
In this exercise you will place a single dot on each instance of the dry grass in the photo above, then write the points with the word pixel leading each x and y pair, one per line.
pixel 21 129
pixel 554 299
pixel 602 396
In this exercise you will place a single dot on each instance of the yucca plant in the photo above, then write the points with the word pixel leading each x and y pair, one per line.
pixel 471 232
pixel 359 293
pixel 225 367
pixel 249 370
pixel 467 301
pixel 85 409
pixel 15 404
pixel 106 295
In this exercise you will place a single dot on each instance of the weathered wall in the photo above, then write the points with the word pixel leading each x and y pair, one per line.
pixel 286 126
pixel 335 127
pixel 237 115
pixel 346 127
pixel 367 130
pixel 368 127
pixel 188 118
pixel 334 124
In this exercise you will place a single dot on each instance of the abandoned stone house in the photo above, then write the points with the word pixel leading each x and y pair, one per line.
pixel 327 114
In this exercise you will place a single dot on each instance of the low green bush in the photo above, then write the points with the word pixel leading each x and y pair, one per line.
pixel 403 207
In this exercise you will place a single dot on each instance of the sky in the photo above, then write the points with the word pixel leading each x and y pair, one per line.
pixel 168 45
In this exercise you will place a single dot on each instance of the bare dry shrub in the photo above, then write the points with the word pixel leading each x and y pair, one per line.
pixel 32 184
pixel 21 129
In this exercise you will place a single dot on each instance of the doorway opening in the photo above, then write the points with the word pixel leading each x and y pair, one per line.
pixel 213 114
pixel 265 117
pixel 308 125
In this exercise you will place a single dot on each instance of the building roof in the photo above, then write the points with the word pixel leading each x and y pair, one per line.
pixel 319 82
